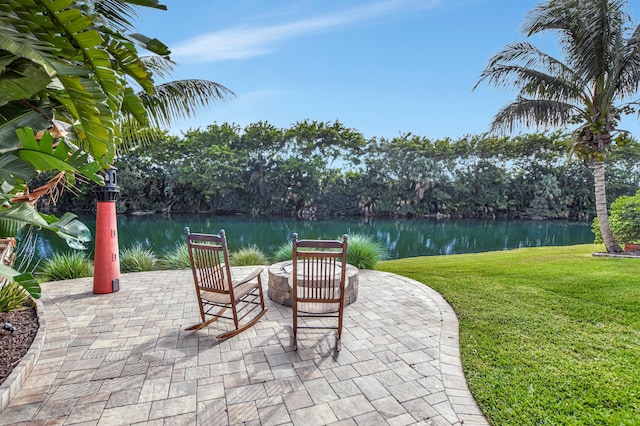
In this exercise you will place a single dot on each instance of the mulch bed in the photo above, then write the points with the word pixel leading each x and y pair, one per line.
pixel 15 344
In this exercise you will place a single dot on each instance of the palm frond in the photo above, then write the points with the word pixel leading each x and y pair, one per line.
pixel 529 56
pixel 180 99
pixel 545 16
pixel 590 30
pixel 121 12
pixel 533 113
pixel 627 77
pixel 161 66
pixel 523 65
pixel 134 135
pixel 531 82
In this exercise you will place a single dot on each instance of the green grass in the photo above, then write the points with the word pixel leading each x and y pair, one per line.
pixel 12 297
pixel 66 266
pixel 364 252
pixel 245 256
pixel 138 259
pixel 548 335
pixel 178 258
pixel 282 253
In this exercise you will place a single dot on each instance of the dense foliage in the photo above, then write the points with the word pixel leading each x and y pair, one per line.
pixel 625 219
pixel 326 169
pixel 74 88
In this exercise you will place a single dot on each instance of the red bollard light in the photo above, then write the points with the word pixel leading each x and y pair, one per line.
pixel 106 261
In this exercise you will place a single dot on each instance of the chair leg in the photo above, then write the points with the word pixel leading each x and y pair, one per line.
pixel 295 328
pixel 243 328
pixel 206 323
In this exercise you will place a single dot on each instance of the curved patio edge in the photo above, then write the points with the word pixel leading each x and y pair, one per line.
pixel 399 364
pixel 16 379
pixel 453 377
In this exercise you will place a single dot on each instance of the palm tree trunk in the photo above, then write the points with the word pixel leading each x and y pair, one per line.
pixel 601 209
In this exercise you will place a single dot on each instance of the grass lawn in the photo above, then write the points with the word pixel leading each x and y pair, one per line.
pixel 549 336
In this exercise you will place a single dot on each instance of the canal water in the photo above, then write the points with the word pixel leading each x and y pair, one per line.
pixel 401 237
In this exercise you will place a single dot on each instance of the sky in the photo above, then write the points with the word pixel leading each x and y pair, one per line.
pixel 383 67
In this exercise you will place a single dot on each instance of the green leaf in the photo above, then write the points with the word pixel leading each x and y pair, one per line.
pixel 14 169
pixel 22 82
pixel 24 213
pixel 70 229
pixel 14 116
pixel 42 157
pixel 27 281
pixel 152 44
pixel 30 284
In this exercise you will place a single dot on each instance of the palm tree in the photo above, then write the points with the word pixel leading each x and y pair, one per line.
pixel 73 68
pixel 591 87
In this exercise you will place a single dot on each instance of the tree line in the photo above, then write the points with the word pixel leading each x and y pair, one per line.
pixel 326 169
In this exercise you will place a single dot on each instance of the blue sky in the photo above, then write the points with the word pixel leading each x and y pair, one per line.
pixel 383 67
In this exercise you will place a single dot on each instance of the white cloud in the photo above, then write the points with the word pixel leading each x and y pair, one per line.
pixel 246 42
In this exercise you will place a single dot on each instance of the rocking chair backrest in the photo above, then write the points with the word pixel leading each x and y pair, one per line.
pixel 209 260
pixel 319 269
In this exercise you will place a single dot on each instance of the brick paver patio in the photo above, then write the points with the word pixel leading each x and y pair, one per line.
pixel 124 358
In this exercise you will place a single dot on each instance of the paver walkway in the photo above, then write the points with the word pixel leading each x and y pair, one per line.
pixel 124 358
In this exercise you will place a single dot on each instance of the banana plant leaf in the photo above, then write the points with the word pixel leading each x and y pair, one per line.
pixel 74 232
pixel 27 281
pixel 43 156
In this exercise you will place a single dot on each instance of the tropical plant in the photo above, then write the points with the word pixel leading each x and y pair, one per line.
pixel 178 258
pixel 137 259
pixel 283 253
pixel 364 252
pixel 12 297
pixel 66 266
pixel 73 67
pixel 247 256
pixel 592 86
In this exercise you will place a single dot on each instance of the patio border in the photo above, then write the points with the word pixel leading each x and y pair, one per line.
pixel 16 379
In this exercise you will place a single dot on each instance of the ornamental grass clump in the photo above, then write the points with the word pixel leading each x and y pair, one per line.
pixel 246 256
pixel 283 253
pixel 12 297
pixel 137 259
pixel 364 252
pixel 178 258
pixel 66 266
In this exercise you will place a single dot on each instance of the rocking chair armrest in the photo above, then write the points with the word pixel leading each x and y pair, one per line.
pixel 255 273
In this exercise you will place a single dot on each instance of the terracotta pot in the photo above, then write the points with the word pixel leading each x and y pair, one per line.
pixel 631 247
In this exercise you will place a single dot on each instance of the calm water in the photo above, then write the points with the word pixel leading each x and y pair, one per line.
pixel 402 237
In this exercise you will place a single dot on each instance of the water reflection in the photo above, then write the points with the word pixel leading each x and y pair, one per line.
pixel 402 237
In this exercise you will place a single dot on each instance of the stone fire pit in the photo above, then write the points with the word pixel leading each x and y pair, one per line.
pixel 280 292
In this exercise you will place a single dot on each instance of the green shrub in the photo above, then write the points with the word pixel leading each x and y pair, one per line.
pixel 66 266
pixel 595 228
pixel 283 252
pixel 178 258
pixel 624 219
pixel 137 259
pixel 245 256
pixel 364 252
pixel 12 297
